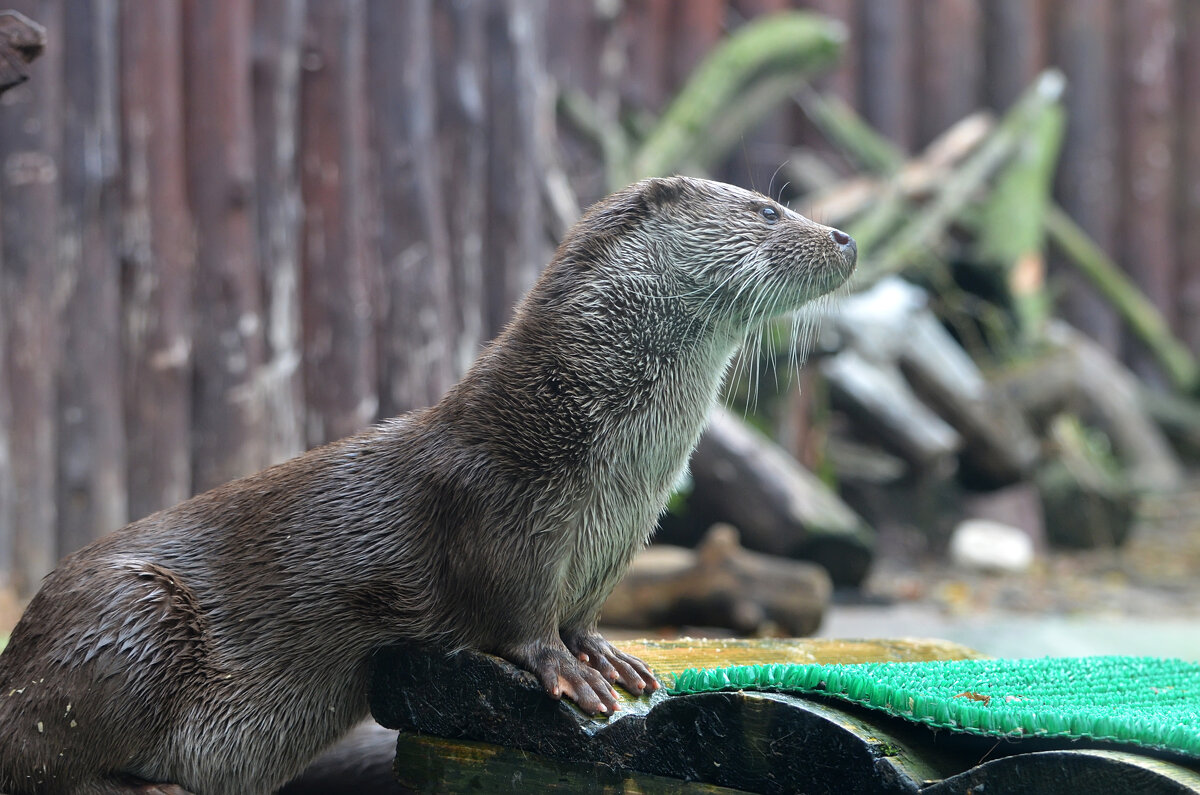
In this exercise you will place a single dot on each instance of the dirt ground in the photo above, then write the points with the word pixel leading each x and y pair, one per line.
pixel 1155 574
pixel 1140 599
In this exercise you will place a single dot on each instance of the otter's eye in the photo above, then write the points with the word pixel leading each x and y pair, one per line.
pixel 770 213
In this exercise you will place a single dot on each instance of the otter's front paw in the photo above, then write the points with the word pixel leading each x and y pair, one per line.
pixel 563 675
pixel 614 664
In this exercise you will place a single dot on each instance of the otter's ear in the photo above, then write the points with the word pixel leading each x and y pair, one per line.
pixel 619 213
pixel 661 192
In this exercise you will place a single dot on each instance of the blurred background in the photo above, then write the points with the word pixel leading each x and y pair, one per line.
pixel 233 230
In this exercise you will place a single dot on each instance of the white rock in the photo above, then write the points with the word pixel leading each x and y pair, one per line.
pixel 991 546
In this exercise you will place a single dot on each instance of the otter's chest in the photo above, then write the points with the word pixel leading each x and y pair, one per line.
pixel 632 473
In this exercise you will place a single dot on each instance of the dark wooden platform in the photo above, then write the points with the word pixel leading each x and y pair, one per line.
pixel 472 722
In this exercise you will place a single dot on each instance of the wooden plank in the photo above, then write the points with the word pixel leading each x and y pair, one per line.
pixel 418 329
pixel 646 29
pixel 29 150
pixel 426 764
pixel 278 46
pixel 1014 46
pixel 886 92
pixel 949 64
pixel 514 241
pixel 470 718
pixel 696 26
pixel 159 257
pixel 844 80
pixel 21 40
pixel 1189 175
pixel 677 654
pixel 1148 168
pixel 764 150
pixel 1071 771
pixel 227 419
pixel 767 742
pixel 340 267
pixel 1083 36
pixel 460 57
pixel 91 440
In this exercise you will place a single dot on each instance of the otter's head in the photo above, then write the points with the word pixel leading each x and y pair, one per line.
pixel 734 258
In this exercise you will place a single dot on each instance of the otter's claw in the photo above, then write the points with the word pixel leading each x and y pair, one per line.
pixel 563 675
pixel 612 663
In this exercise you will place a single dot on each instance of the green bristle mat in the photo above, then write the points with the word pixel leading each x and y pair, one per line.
pixel 1145 701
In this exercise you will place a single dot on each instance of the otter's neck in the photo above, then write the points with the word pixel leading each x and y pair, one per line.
pixel 629 380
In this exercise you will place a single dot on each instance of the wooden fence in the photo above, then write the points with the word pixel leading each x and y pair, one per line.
pixel 231 230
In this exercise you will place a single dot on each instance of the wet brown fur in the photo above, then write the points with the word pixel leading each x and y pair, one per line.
pixel 221 644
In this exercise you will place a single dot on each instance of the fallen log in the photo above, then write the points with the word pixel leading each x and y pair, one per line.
pixel 720 584
pixel 21 41
pixel 1082 378
pixel 742 478
pixel 904 378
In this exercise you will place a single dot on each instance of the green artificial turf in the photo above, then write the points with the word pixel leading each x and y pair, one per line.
pixel 1145 701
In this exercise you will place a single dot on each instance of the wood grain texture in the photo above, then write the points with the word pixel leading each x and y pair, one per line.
pixel 340 271
pixel 91 492
pixel 1084 34
pixel 157 260
pixel 949 68
pixel 1147 165
pixel 278 46
pixel 515 246
pixel 886 43
pixel 417 330
pixel 30 290
pixel 227 414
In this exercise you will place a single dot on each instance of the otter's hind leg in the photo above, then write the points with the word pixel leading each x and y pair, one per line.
pixel 99 665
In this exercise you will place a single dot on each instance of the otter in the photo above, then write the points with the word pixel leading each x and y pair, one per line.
pixel 218 646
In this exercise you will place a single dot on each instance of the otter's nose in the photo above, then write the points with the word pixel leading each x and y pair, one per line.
pixel 844 240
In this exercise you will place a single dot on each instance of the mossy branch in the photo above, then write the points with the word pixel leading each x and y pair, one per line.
pixel 781 45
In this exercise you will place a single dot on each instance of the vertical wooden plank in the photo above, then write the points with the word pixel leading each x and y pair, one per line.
pixel 159 258
pixel 416 349
pixel 1148 168
pixel 844 79
pixel 278 44
pixel 29 286
pixel 885 80
pixel 574 41
pixel 646 26
pixel 1014 48
pixel 1189 174
pixel 697 25
pixel 339 268
pixel 764 150
pixel 91 439
pixel 1084 35
pixel 948 58
pixel 8 491
pixel 227 337
pixel 515 239
pixel 461 67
